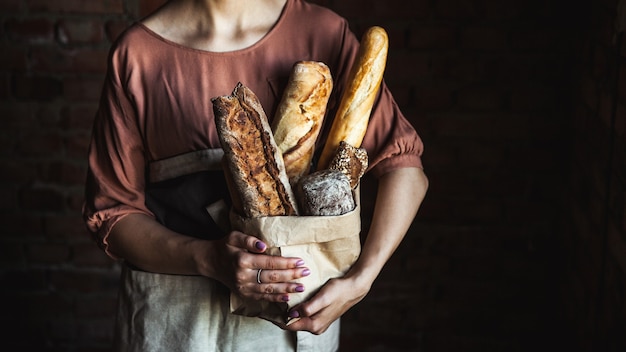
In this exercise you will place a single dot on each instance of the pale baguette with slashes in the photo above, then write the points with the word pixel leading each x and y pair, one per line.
pixel 300 114
pixel 357 100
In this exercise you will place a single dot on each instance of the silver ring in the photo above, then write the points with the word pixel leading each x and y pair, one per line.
pixel 258 276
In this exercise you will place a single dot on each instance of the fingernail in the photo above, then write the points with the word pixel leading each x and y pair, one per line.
pixel 306 272
pixel 259 245
pixel 300 262
pixel 299 288
pixel 285 298
pixel 294 314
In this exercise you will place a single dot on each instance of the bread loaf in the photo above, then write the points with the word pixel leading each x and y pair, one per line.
pixel 357 100
pixel 325 193
pixel 300 114
pixel 254 161
pixel 351 161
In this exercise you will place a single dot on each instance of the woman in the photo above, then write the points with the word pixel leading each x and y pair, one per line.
pixel 154 167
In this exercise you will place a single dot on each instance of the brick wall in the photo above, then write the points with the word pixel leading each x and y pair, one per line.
pixel 594 233
pixel 519 245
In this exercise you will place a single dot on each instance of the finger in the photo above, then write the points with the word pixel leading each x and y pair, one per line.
pixel 275 276
pixel 247 242
pixel 269 262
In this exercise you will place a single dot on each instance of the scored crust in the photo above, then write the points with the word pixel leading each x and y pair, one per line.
pixel 300 114
pixel 254 161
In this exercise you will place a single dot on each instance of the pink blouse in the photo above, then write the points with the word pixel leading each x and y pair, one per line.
pixel 156 103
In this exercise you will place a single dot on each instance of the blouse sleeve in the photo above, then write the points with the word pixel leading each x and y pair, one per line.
pixel 115 178
pixel 390 140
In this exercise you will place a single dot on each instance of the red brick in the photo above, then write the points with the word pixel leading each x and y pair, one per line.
pixel 82 89
pixel 48 253
pixel 90 255
pixel 75 201
pixel 432 37
pixel 406 67
pixel 47 116
pixel 77 145
pixel 114 28
pixel 66 227
pixel 40 144
pixel 8 198
pixel 391 9
pixel 483 38
pixel 77 118
pixel 5 83
pixel 458 10
pixel 75 60
pixel 77 6
pixel 83 282
pixel 24 280
pixel 37 30
pixel 13 57
pixel 535 38
pixel 41 198
pixel 95 307
pixel 17 116
pixel 11 252
pixel 622 82
pixel 504 10
pixel 433 98
pixel 481 98
pixel 36 87
pixel 65 173
pixel 79 31
pixel 20 225
pixel 7 6
pixel 148 6
pixel 532 98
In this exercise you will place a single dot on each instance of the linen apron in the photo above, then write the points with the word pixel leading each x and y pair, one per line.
pixel 178 313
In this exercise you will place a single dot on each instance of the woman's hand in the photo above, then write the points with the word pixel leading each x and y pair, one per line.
pixel 242 266
pixel 330 303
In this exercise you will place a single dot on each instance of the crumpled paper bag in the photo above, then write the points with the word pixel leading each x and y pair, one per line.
pixel 329 245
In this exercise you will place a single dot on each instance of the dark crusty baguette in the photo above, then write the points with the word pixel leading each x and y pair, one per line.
pixel 255 164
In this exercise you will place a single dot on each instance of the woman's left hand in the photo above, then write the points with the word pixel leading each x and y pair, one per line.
pixel 326 306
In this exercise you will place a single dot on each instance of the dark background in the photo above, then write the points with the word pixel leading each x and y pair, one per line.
pixel 520 244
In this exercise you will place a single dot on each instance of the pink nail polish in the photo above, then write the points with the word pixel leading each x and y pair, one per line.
pixel 300 262
pixel 286 298
pixel 300 289
pixel 260 245
pixel 294 314
pixel 306 272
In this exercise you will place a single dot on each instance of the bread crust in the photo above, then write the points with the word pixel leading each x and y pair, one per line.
pixel 300 115
pixel 366 75
pixel 255 164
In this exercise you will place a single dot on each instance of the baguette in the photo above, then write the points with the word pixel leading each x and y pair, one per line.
pixel 300 114
pixel 357 100
pixel 255 164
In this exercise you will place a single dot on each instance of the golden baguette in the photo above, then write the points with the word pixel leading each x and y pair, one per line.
pixel 357 100
pixel 300 114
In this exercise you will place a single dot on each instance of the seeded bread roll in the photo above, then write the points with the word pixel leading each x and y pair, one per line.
pixel 255 165
pixel 351 161
pixel 300 114
pixel 364 80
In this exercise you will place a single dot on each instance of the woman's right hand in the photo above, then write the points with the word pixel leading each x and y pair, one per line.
pixel 236 260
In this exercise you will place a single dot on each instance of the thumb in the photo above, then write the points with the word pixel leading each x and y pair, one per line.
pixel 247 242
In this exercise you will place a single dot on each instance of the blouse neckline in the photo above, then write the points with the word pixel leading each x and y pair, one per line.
pixel 252 47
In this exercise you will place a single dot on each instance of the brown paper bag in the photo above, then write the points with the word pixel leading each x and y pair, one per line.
pixel 329 245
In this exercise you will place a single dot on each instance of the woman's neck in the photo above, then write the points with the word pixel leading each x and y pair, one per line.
pixel 216 25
